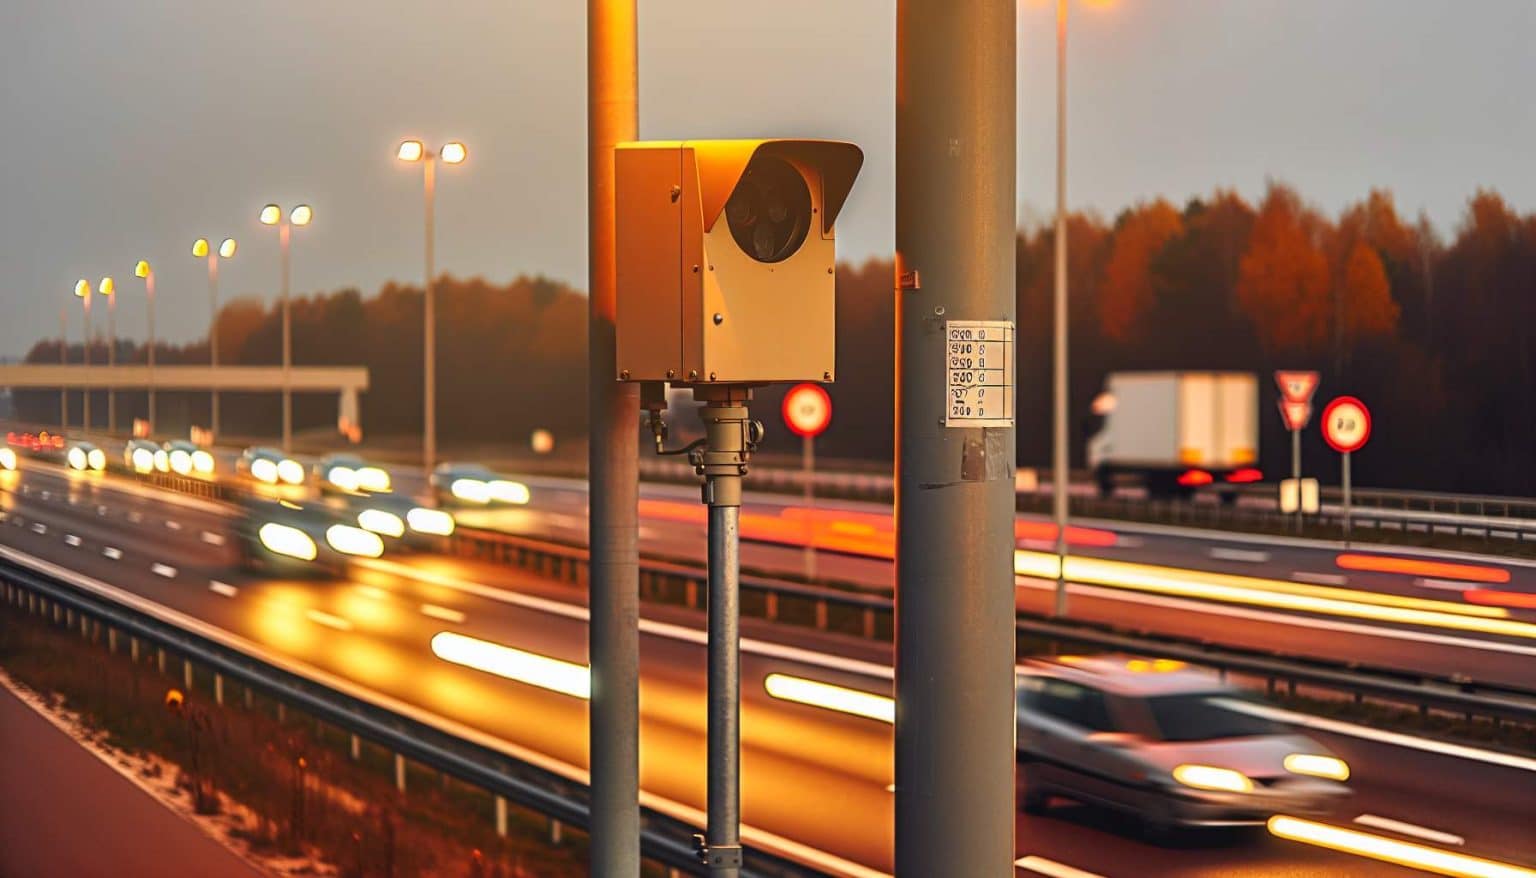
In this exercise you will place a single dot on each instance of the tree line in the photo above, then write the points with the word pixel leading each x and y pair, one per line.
pixel 1434 333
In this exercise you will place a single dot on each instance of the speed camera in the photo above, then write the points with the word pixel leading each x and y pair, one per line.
pixel 725 259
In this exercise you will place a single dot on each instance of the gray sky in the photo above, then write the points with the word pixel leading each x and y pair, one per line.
pixel 132 128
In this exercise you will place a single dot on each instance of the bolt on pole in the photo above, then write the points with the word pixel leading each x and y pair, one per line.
pixel 955 240
pixel 613 462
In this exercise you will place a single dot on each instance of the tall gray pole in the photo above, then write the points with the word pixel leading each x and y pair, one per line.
pixel 808 471
pixel 955 233
pixel 64 361
pixel 149 295
pixel 1060 498
pixel 213 334
pixel 111 360
pixel 429 324
pixel 85 397
pixel 613 462
pixel 283 234
pixel 1296 474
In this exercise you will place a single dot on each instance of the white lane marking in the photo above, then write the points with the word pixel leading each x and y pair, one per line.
pixel 443 613
pixel 1128 542
pixel 47 495
pixel 1042 866
pixel 101 510
pixel 1320 578
pixel 374 592
pixel 71 540
pixel 1412 829
pixel 222 588
pixel 1247 556
pixel 112 552
pixel 660 629
pixel 329 621
pixel 1294 621
pixel 1444 584
pixel 165 570
pixel 173 525
pixel 212 538
pixel 135 516
pixel 39 528
pixel 1397 739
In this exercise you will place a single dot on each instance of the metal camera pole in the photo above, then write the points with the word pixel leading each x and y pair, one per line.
pixel 730 436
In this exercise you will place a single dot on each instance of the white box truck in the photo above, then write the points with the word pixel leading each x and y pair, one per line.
pixel 1174 432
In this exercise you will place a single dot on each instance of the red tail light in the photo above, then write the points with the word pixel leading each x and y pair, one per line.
pixel 1193 477
pixel 1245 475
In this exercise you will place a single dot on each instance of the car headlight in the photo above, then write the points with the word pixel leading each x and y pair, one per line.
pixel 1209 777
pixel 381 522
pixel 181 462
pixel 1317 765
pixel 76 458
pixel 471 491
pixel 202 461
pixel 263 470
pixel 96 459
pixel 280 539
pixel 290 471
pixel 350 540
pixel 162 461
pixel 430 521
pixel 373 480
pixel 7 459
pixel 143 460
pixel 343 477
pixel 503 491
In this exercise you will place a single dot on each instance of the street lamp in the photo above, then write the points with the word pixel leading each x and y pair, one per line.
pixel 143 270
pixel 1059 488
pixel 452 153
pixel 201 250
pixel 83 292
pixel 272 215
pixel 108 288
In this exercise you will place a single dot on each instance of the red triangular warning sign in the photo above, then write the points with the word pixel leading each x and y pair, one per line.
pixel 1296 386
pixel 1295 414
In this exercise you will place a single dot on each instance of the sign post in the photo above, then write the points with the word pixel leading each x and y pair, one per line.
pixel 807 413
pixel 1346 427
pixel 1296 390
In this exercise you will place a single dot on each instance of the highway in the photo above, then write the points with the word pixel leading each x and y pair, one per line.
pixel 818 778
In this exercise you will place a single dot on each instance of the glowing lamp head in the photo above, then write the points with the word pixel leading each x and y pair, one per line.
pixel 142 269
pixel 227 248
pixel 200 246
pixel 108 287
pixel 454 153
pixel 410 151
pixel 435 522
pixel 96 459
pixel 83 288
pixel 271 215
pixel 301 215
pixel 143 460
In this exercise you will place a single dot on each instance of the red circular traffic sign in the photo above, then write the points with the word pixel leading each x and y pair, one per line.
pixel 807 409
pixel 1346 424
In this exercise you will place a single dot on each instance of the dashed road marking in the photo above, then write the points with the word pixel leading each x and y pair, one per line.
pixel 329 621
pixel 71 540
pixel 1320 578
pixel 112 552
pixel 165 570
pixel 173 525
pixel 135 516
pixel 222 588
pixel 443 613
pixel 101 510
pixel 1412 829
pixel 212 538
pixel 39 528
pixel 1247 556
pixel 1443 584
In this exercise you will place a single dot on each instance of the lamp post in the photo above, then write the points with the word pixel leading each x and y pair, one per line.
pixel 272 215
pixel 143 270
pixel 108 288
pixel 64 361
pixel 201 250
pixel 452 153
pixel 83 292
pixel 1060 459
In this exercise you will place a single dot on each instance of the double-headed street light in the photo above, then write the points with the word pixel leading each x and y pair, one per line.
pixel 272 215
pixel 201 250
pixel 83 292
pixel 108 288
pixel 452 153
pixel 143 270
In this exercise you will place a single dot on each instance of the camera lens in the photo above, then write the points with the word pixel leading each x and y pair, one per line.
pixel 770 212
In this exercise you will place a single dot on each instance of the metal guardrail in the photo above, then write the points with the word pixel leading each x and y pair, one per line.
pixel 664 838
pixel 868 615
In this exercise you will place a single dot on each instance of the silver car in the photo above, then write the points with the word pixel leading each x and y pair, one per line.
pixel 1165 743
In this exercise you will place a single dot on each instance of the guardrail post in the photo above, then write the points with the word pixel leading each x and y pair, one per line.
pixel 821 615
pixel 249 698
pixel 555 831
pixel 186 674
pixel 218 688
pixel 133 649
pixel 771 606
pixel 501 817
pixel 282 713
pixel 160 659
pixel 356 748
pixel 400 773
pixel 869 622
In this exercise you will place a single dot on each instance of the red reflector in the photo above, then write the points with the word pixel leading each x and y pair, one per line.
pixel 1245 475
pixel 1195 477
pixel 1417 567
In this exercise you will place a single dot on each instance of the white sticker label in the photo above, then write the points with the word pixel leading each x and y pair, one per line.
pixel 978 365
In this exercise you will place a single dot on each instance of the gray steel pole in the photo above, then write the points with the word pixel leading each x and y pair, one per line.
pixel 1060 498
pixel 111 360
pixel 149 291
pixel 1347 521
pixel 85 396
pixel 64 361
pixel 284 232
pixel 1296 474
pixel 808 471
pixel 429 323
pixel 213 334
pixel 613 462
pixel 955 234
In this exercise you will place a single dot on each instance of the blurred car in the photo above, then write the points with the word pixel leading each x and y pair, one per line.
pixel 348 473
pixel 184 458
pixel 395 517
pixel 139 455
pixel 43 444
pixel 86 457
pixel 285 536
pixel 471 484
pixel 270 466
pixel 1165 743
